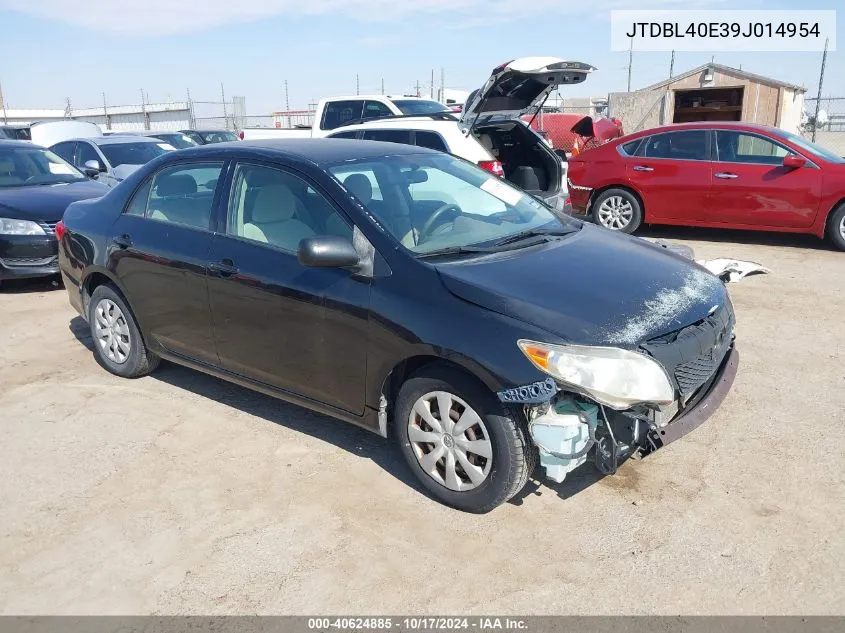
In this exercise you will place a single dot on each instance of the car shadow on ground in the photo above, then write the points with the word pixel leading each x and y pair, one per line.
pixel 733 236
pixel 327 429
pixel 26 286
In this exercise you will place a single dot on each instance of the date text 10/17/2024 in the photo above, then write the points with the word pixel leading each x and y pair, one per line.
pixel 421 623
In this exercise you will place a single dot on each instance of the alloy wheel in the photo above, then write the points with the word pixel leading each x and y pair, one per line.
pixel 615 213
pixel 112 331
pixel 450 441
pixel 842 227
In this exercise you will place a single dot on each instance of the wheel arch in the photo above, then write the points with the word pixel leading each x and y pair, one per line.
pixel 95 277
pixel 405 368
pixel 627 187
pixel 826 225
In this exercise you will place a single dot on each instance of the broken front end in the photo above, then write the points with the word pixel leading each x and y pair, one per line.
pixel 607 404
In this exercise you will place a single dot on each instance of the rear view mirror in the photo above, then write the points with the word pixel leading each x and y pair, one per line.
pixel 793 161
pixel 416 176
pixel 327 251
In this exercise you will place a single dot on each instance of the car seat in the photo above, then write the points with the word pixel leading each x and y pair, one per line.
pixel 529 178
pixel 8 173
pixel 274 220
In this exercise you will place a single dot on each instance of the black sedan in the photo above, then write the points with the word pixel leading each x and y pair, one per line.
pixel 408 292
pixel 207 137
pixel 36 186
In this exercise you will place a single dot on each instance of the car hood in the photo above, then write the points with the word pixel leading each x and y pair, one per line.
pixel 122 171
pixel 516 86
pixel 46 203
pixel 593 288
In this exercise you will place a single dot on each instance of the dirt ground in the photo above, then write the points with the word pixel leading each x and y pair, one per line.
pixel 178 493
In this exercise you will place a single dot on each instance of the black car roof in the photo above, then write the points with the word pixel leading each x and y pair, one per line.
pixel 318 150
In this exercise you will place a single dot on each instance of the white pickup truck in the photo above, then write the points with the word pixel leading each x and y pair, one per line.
pixel 334 112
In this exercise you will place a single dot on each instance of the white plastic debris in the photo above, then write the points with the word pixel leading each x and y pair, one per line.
pixel 732 270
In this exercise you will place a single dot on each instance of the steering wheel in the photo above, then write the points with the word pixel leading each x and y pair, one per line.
pixel 432 220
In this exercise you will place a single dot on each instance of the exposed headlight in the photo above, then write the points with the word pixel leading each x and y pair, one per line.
pixel 9 226
pixel 616 377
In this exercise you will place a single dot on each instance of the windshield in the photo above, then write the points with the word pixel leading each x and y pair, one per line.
pixel 419 106
pixel 132 153
pixel 430 202
pixel 811 147
pixel 178 140
pixel 218 137
pixel 31 166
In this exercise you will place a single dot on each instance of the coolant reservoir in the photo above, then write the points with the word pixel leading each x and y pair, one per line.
pixel 564 430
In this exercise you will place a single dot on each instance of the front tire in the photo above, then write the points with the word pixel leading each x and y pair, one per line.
pixel 117 340
pixel 836 227
pixel 618 210
pixel 464 446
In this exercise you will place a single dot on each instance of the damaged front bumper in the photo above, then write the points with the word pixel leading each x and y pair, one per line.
pixel 568 428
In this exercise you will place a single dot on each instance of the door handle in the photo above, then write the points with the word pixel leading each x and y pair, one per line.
pixel 224 268
pixel 122 241
pixel 643 168
pixel 725 175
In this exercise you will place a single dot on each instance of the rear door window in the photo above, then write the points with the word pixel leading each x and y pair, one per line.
pixel 389 136
pixel 431 140
pixel 687 145
pixel 182 194
pixel 344 135
pixel 337 113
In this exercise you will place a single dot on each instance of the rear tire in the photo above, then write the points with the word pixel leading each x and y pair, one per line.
pixel 117 339
pixel 475 461
pixel 618 210
pixel 836 227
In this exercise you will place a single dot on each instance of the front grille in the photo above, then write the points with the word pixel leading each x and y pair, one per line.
pixel 692 374
pixel 49 227
pixel 29 261
pixel 693 354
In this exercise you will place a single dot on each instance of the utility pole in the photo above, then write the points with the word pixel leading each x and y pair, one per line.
pixel 672 65
pixel 68 108
pixel 418 87
pixel 819 95
pixel 192 122
pixel 442 83
pixel 432 83
pixel 382 85
pixel 143 110
pixel 3 104
pixel 357 85
pixel 225 113
pixel 287 102
pixel 106 113
pixel 630 62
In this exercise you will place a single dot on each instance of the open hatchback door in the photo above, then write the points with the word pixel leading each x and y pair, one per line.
pixel 492 114
pixel 48 133
pixel 521 86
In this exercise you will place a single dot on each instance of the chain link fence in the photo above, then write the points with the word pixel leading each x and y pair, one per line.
pixel 828 127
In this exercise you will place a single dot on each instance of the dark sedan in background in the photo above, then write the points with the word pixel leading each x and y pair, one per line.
pixel 408 292
pixel 208 137
pixel 36 186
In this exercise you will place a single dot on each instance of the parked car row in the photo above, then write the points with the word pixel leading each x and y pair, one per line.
pixel 713 174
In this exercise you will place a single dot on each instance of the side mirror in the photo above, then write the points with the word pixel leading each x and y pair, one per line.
pixel 327 251
pixel 561 154
pixel 793 161
pixel 92 168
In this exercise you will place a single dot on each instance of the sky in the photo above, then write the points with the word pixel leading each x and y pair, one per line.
pixel 58 49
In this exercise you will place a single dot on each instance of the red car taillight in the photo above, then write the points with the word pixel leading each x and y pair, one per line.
pixel 493 166
pixel 60 230
pixel 241 135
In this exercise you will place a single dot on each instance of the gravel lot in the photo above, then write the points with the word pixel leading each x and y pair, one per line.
pixel 179 493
